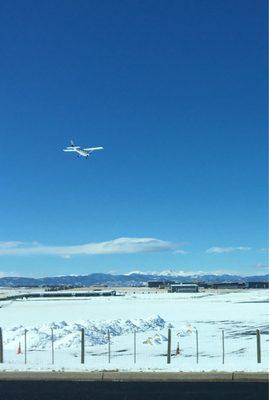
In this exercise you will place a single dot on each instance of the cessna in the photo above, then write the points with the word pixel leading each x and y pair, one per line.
pixel 80 151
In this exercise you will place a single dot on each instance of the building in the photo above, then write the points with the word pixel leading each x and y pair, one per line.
pixel 184 288
pixel 228 285
pixel 62 294
pixel 258 285
pixel 159 284
pixel 204 285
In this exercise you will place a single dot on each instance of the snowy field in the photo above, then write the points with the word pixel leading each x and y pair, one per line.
pixel 238 314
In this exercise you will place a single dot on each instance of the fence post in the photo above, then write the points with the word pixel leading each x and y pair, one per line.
pixel 108 336
pixel 258 336
pixel 134 347
pixel 197 347
pixel 82 346
pixel 1 346
pixel 169 347
pixel 25 347
pixel 223 348
pixel 52 347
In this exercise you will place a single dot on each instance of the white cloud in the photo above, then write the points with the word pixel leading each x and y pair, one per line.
pixel 220 250
pixel 8 245
pixel 264 250
pixel 181 252
pixel 116 246
pixel 179 273
pixel 11 273
pixel 263 266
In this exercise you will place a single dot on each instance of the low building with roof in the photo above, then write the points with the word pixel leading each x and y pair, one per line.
pixel 184 288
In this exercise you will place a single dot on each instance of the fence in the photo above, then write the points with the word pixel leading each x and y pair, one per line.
pixel 169 353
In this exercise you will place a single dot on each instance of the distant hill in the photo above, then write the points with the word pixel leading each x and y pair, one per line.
pixel 131 279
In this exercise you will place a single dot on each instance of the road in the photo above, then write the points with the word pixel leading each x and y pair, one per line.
pixel 132 386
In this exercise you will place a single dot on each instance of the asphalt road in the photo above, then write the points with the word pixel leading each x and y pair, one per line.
pixel 76 390
pixel 131 386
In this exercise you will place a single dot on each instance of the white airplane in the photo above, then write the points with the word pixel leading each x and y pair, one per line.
pixel 82 152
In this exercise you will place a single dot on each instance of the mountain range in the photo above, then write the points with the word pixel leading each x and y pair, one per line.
pixel 136 278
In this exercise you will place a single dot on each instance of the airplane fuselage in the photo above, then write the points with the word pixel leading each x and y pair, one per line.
pixel 82 153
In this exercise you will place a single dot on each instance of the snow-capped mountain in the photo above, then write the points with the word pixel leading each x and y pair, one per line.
pixel 134 278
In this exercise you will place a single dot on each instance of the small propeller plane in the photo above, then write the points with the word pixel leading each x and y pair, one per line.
pixel 82 152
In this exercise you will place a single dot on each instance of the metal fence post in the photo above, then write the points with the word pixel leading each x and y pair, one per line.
pixel 1 346
pixel 223 349
pixel 109 349
pixel 52 347
pixel 82 346
pixel 258 337
pixel 197 347
pixel 169 347
pixel 25 347
pixel 134 347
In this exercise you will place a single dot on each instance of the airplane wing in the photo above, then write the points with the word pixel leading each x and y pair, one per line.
pixel 71 148
pixel 93 148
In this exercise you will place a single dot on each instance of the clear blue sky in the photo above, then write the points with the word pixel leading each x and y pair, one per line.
pixel 175 91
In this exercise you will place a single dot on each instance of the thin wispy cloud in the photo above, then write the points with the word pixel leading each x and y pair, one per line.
pixel 10 245
pixel 123 245
pixel 16 244
pixel 179 251
pixel 183 272
pixel 11 273
pixel 220 250
pixel 262 266
pixel 264 250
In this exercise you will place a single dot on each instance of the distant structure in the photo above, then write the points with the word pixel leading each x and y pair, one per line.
pixel 228 285
pixel 258 285
pixel 160 284
pixel 62 294
pixel 183 288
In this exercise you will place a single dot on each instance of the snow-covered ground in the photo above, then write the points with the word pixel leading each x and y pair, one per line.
pixel 238 314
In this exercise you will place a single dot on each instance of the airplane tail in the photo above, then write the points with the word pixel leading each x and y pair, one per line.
pixel 72 147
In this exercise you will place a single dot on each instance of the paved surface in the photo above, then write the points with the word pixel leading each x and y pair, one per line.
pixel 132 386
pixel 76 390
pixel 135 376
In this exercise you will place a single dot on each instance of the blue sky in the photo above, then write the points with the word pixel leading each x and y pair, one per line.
pixel 176 93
